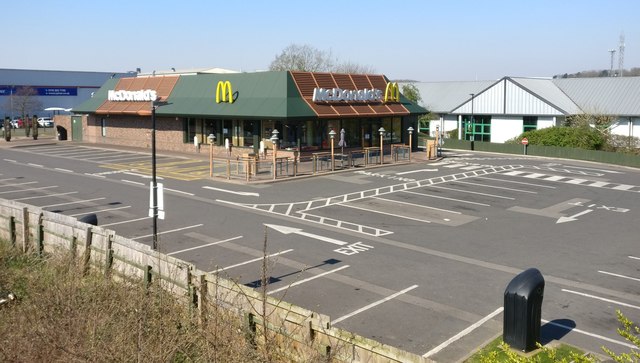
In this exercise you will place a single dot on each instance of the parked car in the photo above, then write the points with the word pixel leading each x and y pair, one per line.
pixel 17 123
pixel 45 122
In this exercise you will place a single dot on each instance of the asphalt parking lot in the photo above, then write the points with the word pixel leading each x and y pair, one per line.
pixel 416 256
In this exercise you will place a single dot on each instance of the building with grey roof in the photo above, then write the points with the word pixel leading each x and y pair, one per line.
pixel 497 111
pixel 54 90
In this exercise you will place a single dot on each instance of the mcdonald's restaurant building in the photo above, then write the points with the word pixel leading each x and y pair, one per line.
pixel 241 110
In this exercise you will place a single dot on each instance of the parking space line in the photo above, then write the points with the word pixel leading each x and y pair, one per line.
pixel 451 199
pixel 73 202
pixel 132 182
pixel 203 246
pixel 100 211
pixel 516 182
pixel 170 231
pixel 634 257
pixel 1 180
pixel 470 192
pixel 45 196
pixel 468 330
pixel 28 189
pixel 618 275
pixel 66 170
pixel 572 329
pixel 307 280
pixel 374 304
pixel 602 299
pixel 497 187
pixel 417 205
pixel 250 261
pixel 384 213
pixel 18 184
pixel 127 221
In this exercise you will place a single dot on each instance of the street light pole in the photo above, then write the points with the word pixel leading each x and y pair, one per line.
pixel 154 182
pixel 410 129
pixel 332 135
pixel 274 140
pixel 472 125
pixel 381 131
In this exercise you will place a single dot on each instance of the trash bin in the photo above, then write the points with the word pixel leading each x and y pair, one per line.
pixel 522 310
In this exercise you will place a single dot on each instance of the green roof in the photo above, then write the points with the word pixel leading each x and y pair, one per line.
pixel 256 95
pixel 97 99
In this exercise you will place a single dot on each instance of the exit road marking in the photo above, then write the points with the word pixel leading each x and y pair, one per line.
pixel 298 231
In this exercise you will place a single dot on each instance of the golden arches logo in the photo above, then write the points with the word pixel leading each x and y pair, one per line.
pixel 392 92
pixel 224 92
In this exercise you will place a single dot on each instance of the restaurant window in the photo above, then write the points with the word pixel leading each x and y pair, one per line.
pixel 424 126
pixel 189 130
pixel 103 127
pixel 529 123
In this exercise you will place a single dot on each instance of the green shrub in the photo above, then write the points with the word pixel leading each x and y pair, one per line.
pixel 583 137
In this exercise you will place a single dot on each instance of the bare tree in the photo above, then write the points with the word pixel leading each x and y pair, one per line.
pixel 354 68
pixel 25 101
pixel 302 58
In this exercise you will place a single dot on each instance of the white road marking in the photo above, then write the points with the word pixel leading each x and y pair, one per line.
pixel 576 181
pixel 571 329
pixel 623 187
pixel 634 257
pixel 601 170
pixel 621 276
pixel 470 192
pixel 46 196
pixel 96 175
pixel 298 231
pixel 598 184
pixel 169 231
pixel 74 202
pixel 1 180
pixel 202 246
pixel 534 175
pixel 514 173
pixel 65 170
pixel 384 213
pixel 178 191
pixel 17 184
pixel 554 178
pixel 374 304
pixel 573 217
pixel 468 330
pixel 497 187
pixel 307 279
pixel 516 182
pixel 440 197
pixel 250 261
pixel 417 205
pixel 415 171
pixel 128 221
pixel 29 189
pixel 132 182
pixel 11 161
pixel 602 299
pixel 99 211
pixel 233 192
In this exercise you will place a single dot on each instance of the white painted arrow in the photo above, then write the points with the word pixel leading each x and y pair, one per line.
pixel 251 194
pixel 573 217
pixel 289 230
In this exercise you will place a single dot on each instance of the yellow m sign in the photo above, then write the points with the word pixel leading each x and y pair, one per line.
pixel 392 92
pixel 224 92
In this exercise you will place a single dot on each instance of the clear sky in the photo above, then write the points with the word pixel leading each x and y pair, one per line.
pixel 421 40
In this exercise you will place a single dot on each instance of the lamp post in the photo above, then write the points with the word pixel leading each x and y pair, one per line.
pixel 472 126
pixel 211 138
pixel 332 135
pixel 274 140
pixel 154 181
pixel 381 131
pixel 410 129
pixel 437 139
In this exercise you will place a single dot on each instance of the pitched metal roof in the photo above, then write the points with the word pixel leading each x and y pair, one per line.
pixel 443 97
pixel 618 96
pixel 549 93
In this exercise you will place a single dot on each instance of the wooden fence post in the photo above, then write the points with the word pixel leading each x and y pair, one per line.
pixel 25 229
pixel 12 230
pixel 108 255
pixel 86 257
pixel 40 236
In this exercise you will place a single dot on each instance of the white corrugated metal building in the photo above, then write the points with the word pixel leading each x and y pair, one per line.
pixel 497 111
